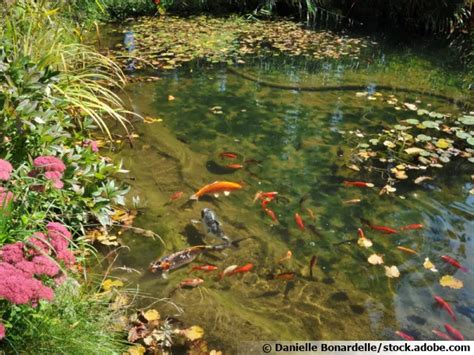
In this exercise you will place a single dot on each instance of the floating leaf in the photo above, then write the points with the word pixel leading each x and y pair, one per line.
pixel 389 144
pixel 171 98
pixel 400 174
pixel 442 143
pixel 392 271
pixel 451 282
pixel 148 119
pixel 463 135
pixel 364 242
pixel 430 124
pixel 410 106
pixel 414 150
pixel 375 259
pixel 193 333
pixel 137 350
pixel 423 138
pixel 412 121
pixel 400 127
pixel 467 120
pixel 151 315
pixel 470 140
pixel 421 112
pixel 429 265
pixel 420 179
pixel 108 284
pixel 374 141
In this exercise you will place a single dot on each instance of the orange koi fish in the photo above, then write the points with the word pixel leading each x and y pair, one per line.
pixel 234 166
pixel 242 269
pixel 384 229
pixel 454 262
pixel 287 256
pixel 229 155
pixel 265 196
pixel 272 214
pixel 445 305
pixel 216 187
pixel 206 268
pixel 265 203
pixel 453 332
pixel 299 221
pixel 191 282
pixel 358 184
pixel 441 334
pixel 404 335
pixel 176 195
pixel 228 270
pixel 411 227
pixel 407 250
pixel 283 276
pixel 311 214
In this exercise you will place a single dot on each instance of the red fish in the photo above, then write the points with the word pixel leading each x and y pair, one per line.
pixel 234 166
pixel 206 268
pixel 242 269
pixel 358 184
pixel 265 203
pixel 272 214
pixel 445 305
pixel 299 221
pixel 361 233
pixel 311 265
pixel 453 332
pixel 411 227
pixel 284 276
pixel 384 229
pixel 454 262
pixel 441 334
pixel 176 195
pixel 229 155
pixel 404 335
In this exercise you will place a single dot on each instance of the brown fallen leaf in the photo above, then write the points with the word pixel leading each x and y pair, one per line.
pixel 375 259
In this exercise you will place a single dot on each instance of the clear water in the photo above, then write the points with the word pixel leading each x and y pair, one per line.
pixel 295 135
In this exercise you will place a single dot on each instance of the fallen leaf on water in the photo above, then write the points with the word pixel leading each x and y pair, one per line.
pixel 451 282
pixel 414 150
pixel 429 265
pixel 410 106
pixel 420 179
pixel 120 302
pixel 400 174
pixel 375 259
pixel 108 284
pixel 193 333
pixel 149 119
pixel 151 315
pixel 136 350
pixel 389 144
pixel 392 271
pixel 171 97
pixel 353 167
pixel 442 143
pixel 387 189
pixel 364 242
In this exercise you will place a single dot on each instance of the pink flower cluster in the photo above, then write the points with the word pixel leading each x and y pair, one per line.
pixel 5 170
pixel 92 144
pixel 21 264
pixel 2 331
pixel 53 169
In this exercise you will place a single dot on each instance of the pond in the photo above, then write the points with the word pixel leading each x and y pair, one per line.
pixel 297 142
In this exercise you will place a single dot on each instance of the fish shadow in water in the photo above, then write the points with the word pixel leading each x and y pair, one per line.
pixel 217 169
pixel 193 235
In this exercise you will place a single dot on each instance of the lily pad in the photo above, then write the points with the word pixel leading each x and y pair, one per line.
pixel 413 121
pixel 421 112
pixel 467 120
pixel 423 138
pixel 463 135
pixel 430 124
pixel 470 140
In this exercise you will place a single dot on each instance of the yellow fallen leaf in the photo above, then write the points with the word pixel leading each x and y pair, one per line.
pixel 149 119
pixel 375 259
pixel 193 333
pixel 151 315
pixel 171 97
pixel 364 242
pixel 108 284
pixel 420 179
pixel 137 350
pixel 451 282
pixel 442 143
pixel 429 265
pixel 392 271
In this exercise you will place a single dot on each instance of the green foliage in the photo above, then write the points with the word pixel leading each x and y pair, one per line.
pixel 78 321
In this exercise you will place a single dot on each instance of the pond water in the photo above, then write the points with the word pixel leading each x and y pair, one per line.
pixel 297 140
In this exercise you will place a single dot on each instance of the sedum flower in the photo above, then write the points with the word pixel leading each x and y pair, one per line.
pixel 5 170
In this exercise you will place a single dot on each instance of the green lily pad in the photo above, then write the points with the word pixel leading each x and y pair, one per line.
pixel 400 127
pixel 430 124
pixel 422 112
pixel 363 145
pixel 471 160
pixel 423 138
pixel 463 135
pixel 374 141
pixel 436 115
pixel 470 140
pixel 413 121
pixel 467 120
